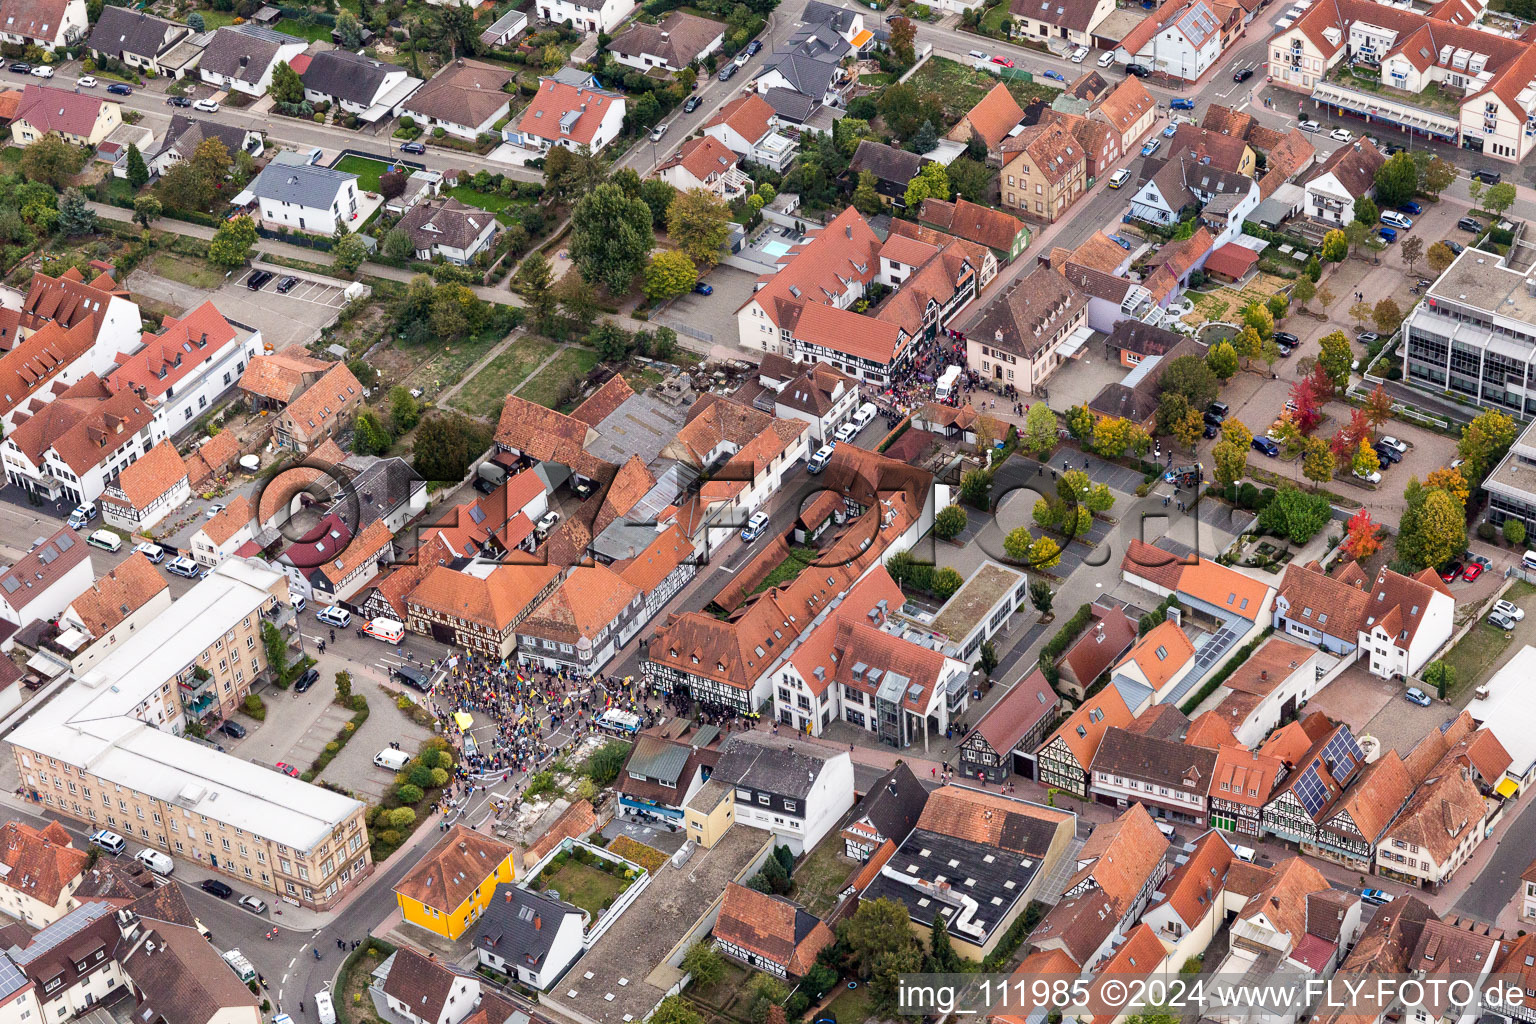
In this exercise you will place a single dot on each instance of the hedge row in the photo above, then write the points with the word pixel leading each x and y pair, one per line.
pixel 343 737
pixel 1058 644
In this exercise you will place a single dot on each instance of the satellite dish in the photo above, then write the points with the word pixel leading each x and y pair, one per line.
pixel 250 463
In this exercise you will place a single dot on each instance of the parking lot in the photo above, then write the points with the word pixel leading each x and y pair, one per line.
pixel 303 289
pixel 713 315
pixel 287 319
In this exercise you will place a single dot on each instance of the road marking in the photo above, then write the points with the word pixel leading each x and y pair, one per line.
pixel 292 962
pixel 283 979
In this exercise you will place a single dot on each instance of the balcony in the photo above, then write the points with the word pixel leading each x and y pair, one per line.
pixel 196 680
pixel 203 702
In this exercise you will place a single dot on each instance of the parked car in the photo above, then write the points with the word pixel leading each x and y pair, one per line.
pixel 1410 207
pixel 86 81
pixel 1265 445
pixel 692 104
pixel 755 47
pixel 1152 146
pixel 214 887
pixel 1139 70
pixel 154 552
pixel 1078 54
pixel 183 566
pixel 1375 897
pixel 206 106
pixel 334 616
pixel 704 288
pixel 253 904
pixel 1388 456
pixel 287 284
pixel 1121 241
pixel 1487 177
pixel 1450 572
pixel 1210 431
pixel 1055 76
pixel 1471 224
pixel 1119 178
pixel 1287 338
pixel 42 71
pixel 1368 337
pixel 1181 103
pixel 1170 131
pixel 177 101
pixel 119 89
pixel 742 58
pixel 233 729
pixel 1509 608
pixel 755 527
pixel 305 681
pixel 1456 247
pixel 1471 572
pixel 288 769
pixel 1397 220
pixel 1414 695
pixel 82 514
pixel 1006 62
pixel 108 840
pixel 1341 135
pixel 413 147
pixel 1394 444
pixel 1499 620
pixel 727 72
pixel 1243 75
pixel 1387 234
pixel 258 278
pixel 1212 420
pixel 1309 126
pixel 21 67
pixel 659 131
pixel 1370 478
pixel 547 521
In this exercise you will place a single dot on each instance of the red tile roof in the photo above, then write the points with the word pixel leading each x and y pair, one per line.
pixel 554 100
pixel 451 871
pixel 993 117
pixel 1084 729
pixel 1231 259
pixel 749 116
pixel 772 928
pixel 1017 712
pixel 58 110
pixel 987 818
pixel 169 357
pixel 151 477
pixel 122 591
pixel 40 864
pixel 575 822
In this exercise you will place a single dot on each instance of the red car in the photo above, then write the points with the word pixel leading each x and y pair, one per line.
pixel 1006 62
pixel 288 769
pixel 1471 572
pixel 1451 572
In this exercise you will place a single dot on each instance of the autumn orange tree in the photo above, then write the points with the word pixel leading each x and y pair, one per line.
pixel 1360 540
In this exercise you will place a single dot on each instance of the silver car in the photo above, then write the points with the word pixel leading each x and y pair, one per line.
pixel 1509 610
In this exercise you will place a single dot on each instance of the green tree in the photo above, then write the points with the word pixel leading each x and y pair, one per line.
pixel 1433 528
pixel 1222 360
pixel 1041 597
pixel 663 343
pixel 610 340
pixel 349 252
pixel 949 522
pixel 1295 514
pixel 1365 210
pixel 703 963
pixel 1303 291
pixel 146 210
pixel 611 236
pixel 1396 181
pixel 571 174
pixel 668 274
pixel 1080 422
pixel 971 179
pixel 1192 378
pixel 276 647
pixel 1514 532
pixel 232 243
pixel 138 171
pixel 446 444
pixel 674 1010
pixel 1335 358
pixel 1439 257
pixel 1039 429
pixel 1499 197
pixel 195 22
pixel 1316 460
pixel 1258 316
pixel 404 409
pixel 75 215
pixel 1441 676
pixel 52 161
pixel 348 30
pixel 604 765
pixel 1017 543
pixel 932 182
pixel 1176 419
pixel 287 86
pixel 1439 173
pixel 1484 442
pixel 1231 453
pixel 344 688
pixel 699 223
pixel 942 958
pixel 926 140
pixel 1044 553
pixel 658 195
pixel 533 281
pixel 865 199
pixel 1355 233
pixel 397 244
pixel 369 436
pixel 1335 247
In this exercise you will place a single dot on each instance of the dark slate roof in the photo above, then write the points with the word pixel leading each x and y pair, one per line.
pixel 300 184
pixel 818 13
pixel 443 220
pixel 810 74
pixel 772 765
pixel 886 162
pixel 121 30
pixel 658 758
pixel 230 43
pixel 349 76
pixel 790 105
pixel 507 926
pixel 894 803
pixel 1143 339
pixel 186 134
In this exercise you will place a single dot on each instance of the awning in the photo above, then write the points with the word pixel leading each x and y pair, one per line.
pixel 1506 788
pixel 862 40
pixel 1074 342
pixel 463 719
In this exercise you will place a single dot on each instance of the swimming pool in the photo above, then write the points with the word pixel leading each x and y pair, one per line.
pixel 776 248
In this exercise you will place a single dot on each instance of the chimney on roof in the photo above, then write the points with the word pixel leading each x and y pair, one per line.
pixel 508 897
pixel 538 922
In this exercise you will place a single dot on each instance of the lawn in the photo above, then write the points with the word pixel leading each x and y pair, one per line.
pixel 1474 655
pixel 851 1004
pixel 217 19
pixel 11 154
pixel 484 394
pixel 367 171
pixel 962 86
pixel 491 202
pixel 820 877
pixel 446 363
pixel 311 30
pixel 586 887
pixel 549 384
pixel 187 272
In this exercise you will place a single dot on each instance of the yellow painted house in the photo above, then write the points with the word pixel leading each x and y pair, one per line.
pixel 452 885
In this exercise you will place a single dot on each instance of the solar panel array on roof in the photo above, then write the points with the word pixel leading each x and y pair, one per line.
pixel 1343 756
pixel 11 978
pixel 65 542
pixel 62 930
pixel 1311 791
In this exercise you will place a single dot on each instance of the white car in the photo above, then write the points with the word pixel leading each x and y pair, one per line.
pixel 1341 135
pixel 1371 478
pixel 333 616
pixel 42 71
pixel 109 841
pixel 977 58
pixel 1309 126
pixel 547 521
pixel 1394 444
pixel 206 106
pixel 1079 53
pixel 154 552
pixel 1509 608
pixel 214 510
pixel 86 81
pixel 1119 178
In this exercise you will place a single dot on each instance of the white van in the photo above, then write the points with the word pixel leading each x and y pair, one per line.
pixel 159 863
pixel 866 414
pixel 947 383
pixel 392 759
pixel 105 539
pixel 819 459
pixel 1528 560
pixel 847 432
pixel 240 965
pixel 387 630
pixel 755 526
pixel 108 840
pixel 1108 59
pixel 154 552
pixel 333 616
pixel 323 1008
pixel 297 600
pixel 1244 853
